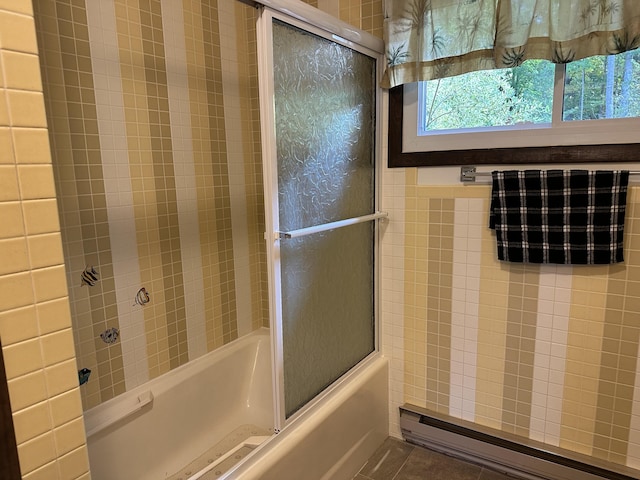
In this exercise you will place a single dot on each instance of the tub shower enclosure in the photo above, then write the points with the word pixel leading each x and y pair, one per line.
pixel 215 172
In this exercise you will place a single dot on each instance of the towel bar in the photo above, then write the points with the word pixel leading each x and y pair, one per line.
pixel 330 226
pixel 468 174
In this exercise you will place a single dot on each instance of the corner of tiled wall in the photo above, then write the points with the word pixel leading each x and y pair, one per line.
pixel 35 322
pixel 392 269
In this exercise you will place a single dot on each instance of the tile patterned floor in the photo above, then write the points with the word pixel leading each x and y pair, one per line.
pixel 398 460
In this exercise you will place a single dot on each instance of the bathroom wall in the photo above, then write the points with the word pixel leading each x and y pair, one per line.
pixel 154 126
pixel 546 352
pixel 153 119
pixel 35 317
pixel 35 323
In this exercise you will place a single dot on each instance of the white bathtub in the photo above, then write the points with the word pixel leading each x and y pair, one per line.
pixel 333 438
pixel 197 404
pixel 192 408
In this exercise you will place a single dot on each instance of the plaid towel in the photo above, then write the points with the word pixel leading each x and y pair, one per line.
pixel 559 216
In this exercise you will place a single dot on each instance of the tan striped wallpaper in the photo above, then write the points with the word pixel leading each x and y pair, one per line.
pixel 542 351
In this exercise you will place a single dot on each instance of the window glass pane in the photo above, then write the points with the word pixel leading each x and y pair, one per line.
pixel 492 98
pixel 603 87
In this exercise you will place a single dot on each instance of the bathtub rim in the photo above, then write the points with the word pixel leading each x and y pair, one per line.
pixel 335 388
pixel 331 397
pixel 96 416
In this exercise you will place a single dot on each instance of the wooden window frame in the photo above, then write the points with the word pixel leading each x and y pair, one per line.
pixel 626 152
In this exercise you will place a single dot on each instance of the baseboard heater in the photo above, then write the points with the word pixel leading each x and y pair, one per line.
pixel 510 454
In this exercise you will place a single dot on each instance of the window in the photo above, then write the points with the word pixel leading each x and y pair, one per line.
pixel 536 113
pixel 487 100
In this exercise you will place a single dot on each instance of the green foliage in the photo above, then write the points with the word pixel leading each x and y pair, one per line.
pixel 586 86
pixel 486 99
pixel 467 101
pixel 524 94
pixel 532 83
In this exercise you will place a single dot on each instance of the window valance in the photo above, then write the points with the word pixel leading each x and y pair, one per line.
pixel 428 39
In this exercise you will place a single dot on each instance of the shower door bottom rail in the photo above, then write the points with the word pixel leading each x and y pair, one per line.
pixel 301 232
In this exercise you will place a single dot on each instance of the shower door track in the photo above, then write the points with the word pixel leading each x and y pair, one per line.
pixel 319 19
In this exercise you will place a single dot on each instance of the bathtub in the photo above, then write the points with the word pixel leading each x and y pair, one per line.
pixel 169 421
pixel 152 431
pixel 332 438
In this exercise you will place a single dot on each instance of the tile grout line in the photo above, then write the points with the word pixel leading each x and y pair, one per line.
pixel 413 448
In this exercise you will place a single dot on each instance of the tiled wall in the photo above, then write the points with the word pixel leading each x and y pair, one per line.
pixel 154 125
pixel 364 14
pixel 35 323
pixel 546 352
pixel 93 101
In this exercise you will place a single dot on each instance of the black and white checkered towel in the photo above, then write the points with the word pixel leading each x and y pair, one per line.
pixel 559 216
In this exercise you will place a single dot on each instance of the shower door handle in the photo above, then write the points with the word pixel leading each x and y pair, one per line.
pixel 301 232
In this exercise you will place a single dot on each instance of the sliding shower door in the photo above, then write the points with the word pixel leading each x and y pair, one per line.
pixel 319 102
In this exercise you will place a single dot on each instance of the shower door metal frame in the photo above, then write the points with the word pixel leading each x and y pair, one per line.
pixel 323 25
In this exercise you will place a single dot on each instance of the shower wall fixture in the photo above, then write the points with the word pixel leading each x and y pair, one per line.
pixel 154 127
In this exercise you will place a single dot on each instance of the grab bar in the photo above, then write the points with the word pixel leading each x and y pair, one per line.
pixel 123 412
pixel 301 232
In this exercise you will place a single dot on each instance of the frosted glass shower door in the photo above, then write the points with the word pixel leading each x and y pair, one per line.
pixel 323 192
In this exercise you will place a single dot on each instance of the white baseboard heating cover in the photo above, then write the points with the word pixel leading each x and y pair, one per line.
pixel 511 454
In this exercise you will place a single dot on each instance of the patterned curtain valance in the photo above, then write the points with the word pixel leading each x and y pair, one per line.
pixel 427 39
